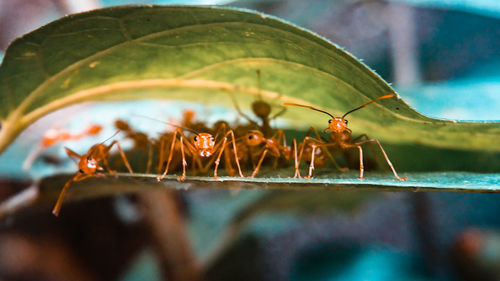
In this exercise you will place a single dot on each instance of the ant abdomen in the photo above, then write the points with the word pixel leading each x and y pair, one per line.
pixel 261 109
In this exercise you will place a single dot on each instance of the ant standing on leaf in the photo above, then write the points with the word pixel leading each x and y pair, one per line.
pixel 202 145
pixel 340 137
pixel 88 166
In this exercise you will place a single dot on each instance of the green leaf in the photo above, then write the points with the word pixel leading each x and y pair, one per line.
pixel 202 54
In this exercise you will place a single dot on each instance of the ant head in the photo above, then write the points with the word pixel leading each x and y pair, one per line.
pixel 89 165
pixel 254 138
pixel 261 109
pixel 337 125
pixel 204 144
pixel 121 125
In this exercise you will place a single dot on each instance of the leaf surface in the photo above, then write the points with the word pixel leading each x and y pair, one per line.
pixel 205 54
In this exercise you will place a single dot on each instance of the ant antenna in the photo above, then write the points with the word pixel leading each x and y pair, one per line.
pixel 116 133
pixel 259 83
pixel 306 106
pixel 377 99
pixel 168 123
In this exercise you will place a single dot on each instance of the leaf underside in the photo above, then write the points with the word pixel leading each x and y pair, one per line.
pixel 205 54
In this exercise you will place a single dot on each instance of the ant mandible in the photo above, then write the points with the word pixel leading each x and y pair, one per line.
pixel 340 137
pixel 88 166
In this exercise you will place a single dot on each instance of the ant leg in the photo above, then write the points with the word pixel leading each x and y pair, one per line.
pixel 361 166
pixel 237 107
pixel 106 164
pixel 184 163
pixel 124 158
pixel 278 114
pixel 105 151
pixel 304 144
pixel 311 165
pixel 161 156
pixel 58 205
pixel 150 158
pixel 297 173
pixel 385 156
pixel 217 161
pixel 236 153
pixel 341 169
pixel 227 163
pixel 256 170
pixel 169 157
pixel 371 148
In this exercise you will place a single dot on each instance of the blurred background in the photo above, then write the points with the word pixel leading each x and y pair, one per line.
pixel 443 58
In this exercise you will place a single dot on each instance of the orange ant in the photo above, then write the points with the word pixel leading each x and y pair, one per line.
pixel 272 145
pixel 202 145
pixel 54 136
pixel 262 110
pixel 340 137
pixel 88 166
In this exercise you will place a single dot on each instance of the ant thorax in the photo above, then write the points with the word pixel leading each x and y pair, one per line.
pixel 204 144
pixel 337 125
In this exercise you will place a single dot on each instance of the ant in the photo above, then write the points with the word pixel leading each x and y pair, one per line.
pixel 202 145
pixel 340 137
pixel 262 110
pixel 88 165
pixel 272 146
pixel 54 136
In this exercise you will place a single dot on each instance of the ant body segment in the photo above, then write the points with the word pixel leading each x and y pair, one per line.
pixel 340 137
pixel 88 166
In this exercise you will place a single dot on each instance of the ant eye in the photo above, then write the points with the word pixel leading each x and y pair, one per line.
pixel 212 138
pixel 195 138
pixel 345 121
pixel 329 121
pixel 250 137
